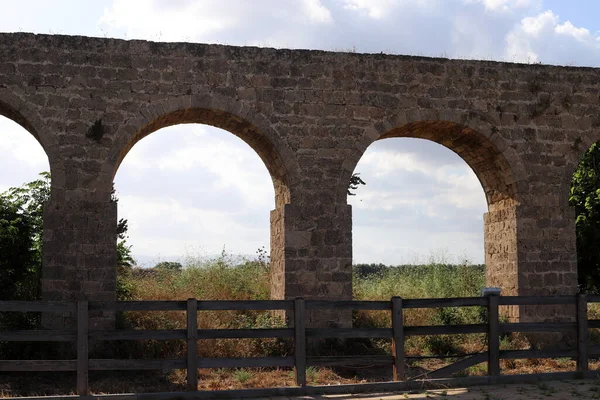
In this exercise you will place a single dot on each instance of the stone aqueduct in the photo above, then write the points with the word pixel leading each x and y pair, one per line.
pixel 309 115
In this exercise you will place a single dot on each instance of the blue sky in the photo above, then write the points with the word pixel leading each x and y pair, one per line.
pixel 582 13
pixel 421 201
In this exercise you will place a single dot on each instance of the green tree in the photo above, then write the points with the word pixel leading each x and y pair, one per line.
pixel 585 198
pixel 169 266
pixel 28 201
pixel 18 263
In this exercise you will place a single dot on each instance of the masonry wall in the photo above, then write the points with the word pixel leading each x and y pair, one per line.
pixel 309 115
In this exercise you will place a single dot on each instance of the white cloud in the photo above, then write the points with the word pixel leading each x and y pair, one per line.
pixel 385 163
pixel 568 29
pixel 540 24
pixel 195 151
pixel 166 20
pixel 192 186
pixel 234 21
pixel 463 188
pixel 506 5
pixel 511 30
pixel 22 158
pixel 317 12
pixel 21 145
pixel 376 9
pixel 543 38
pixel 410 202
pixel 169 227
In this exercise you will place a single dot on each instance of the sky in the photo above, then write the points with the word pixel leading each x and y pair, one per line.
pixel 194 190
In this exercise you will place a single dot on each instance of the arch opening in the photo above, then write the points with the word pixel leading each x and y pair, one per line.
pixel 253 142
pixel 491 172
pixel 486 161
pixel 182 182
pixel 12 114
pixel 243 129
pixel 421 204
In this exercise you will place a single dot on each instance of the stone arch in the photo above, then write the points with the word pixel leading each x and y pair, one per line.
pixel 219 112
pixel 15 109
pixel 237 118
pixel 489 156
pixel 495 164
pixel 18 111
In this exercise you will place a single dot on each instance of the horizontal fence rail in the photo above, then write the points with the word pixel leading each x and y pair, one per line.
pixel 297 310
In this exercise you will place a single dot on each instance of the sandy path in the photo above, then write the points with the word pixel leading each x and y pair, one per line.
pixel 576 389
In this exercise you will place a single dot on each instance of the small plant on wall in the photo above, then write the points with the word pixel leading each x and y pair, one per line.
pixel 96 131
pixel 355 181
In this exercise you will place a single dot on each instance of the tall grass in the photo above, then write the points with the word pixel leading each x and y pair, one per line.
pixel 225 279
pixel 375 282
pixel 418 281
pixel 214 279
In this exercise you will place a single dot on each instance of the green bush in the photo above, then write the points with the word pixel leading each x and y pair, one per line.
pixel 419 281
pixel 377 282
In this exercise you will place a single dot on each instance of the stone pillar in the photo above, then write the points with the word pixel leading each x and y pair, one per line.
pixel 315 261
pixel 79 256
pixel 547 259
pixel 277 259
pixel 500 243
pixel 530 251
pixel 547 251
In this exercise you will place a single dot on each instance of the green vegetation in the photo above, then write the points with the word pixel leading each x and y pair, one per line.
pixel 585 198
pixel 224 278
pixel 21 226
pixel 355 181
pixel 380 282
pixel 21 229
pixel 206 279
pixel 18 267
pixel 220 278
pixel 243 375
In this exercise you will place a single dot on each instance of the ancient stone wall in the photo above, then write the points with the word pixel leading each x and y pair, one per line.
pixel 309 115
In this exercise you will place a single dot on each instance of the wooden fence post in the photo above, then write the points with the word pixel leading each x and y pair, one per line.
pixel 493 337
pixel 192 344
pixel 82 348
pixel 398 339
pixel 582 333
pixel 300 341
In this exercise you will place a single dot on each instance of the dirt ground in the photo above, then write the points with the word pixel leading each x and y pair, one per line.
pixel 576 389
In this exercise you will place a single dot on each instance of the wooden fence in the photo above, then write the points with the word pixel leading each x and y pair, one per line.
pixel 300 333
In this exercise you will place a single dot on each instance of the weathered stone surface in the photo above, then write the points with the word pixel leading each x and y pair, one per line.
pixel 309 115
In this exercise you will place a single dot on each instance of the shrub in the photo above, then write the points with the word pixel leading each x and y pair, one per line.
pixel 243 375
pixel 226 278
